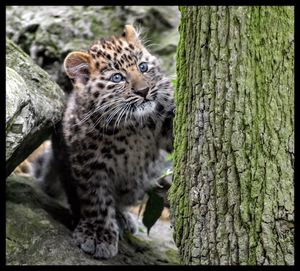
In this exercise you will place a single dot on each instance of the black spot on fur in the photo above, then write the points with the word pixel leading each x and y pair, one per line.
pixel 108 155
pixel 121 138
pixel 92 146
pixel 94 135
pixel 119 151
pixel 89 155
pixel 97 166
pixel 124 190
pixel 111 171
pixel 104 212
pixel 105 150
pixel 100 85
pixel 100 220
pixel 96 94
pixel 111 131
pixel 109 201
pixel 86 174
pixel 117 66
pixel 110 86
pixel 160 108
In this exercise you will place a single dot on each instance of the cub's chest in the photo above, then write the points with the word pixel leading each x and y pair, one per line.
pixel 130 144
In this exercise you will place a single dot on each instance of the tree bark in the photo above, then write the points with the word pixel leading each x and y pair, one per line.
pixel 232 197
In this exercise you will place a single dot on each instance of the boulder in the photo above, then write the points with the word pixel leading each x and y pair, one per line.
pixel 33 104
pixel 37 233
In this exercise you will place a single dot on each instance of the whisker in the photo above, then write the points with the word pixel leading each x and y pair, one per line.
pixel 96 110
pixel 104 115
pixel 119 116
pixel 112 115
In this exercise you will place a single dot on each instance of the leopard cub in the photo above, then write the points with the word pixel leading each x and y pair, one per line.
pixel 117 124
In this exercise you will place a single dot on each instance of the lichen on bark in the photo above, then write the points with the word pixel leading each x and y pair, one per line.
pixel 232 194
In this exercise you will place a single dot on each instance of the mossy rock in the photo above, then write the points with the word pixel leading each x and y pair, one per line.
pixel 36 233
pixel 33 104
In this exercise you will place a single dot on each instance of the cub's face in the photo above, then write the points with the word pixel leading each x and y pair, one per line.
pixel 121 79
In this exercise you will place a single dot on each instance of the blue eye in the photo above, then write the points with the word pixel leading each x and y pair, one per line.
pixel 143 67
pixel 116 78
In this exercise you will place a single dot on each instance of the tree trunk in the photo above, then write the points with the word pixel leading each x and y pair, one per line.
pixel 232 196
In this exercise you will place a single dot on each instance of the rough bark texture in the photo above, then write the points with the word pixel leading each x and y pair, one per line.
pixel 233 187
pixel 33 104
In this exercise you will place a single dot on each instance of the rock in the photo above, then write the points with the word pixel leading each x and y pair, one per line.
pixel 49 33
pixel 33 104
pixel 36 233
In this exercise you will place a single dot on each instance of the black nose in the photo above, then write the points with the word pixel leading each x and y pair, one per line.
pixel 142 92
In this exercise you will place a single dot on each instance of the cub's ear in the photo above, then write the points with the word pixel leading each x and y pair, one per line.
pixel 131 34
pixel 77 66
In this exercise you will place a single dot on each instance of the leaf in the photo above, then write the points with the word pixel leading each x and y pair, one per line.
pixel 153 210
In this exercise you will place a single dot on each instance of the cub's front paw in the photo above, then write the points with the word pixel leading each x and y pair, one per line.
pixel 102 243
pixel 106 243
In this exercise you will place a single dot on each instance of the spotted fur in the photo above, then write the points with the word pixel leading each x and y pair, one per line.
pixel 114 135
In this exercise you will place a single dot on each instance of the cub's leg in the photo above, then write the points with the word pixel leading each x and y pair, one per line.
pixel 97 232
pixel 126 222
